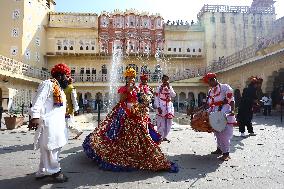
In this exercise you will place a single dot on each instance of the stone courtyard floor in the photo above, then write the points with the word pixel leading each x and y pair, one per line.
pixel 257 162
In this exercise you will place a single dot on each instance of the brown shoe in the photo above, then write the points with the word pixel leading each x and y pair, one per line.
pixel 59 177
pixel 166 140
pixel 225 157
pixel 78 135
pixel 218 151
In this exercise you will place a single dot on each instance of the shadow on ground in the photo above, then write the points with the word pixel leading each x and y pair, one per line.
pixel 84 172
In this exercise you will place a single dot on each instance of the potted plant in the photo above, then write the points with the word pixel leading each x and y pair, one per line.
pixel 13 121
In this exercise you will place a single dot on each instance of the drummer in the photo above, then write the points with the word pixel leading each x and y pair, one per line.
pixel 220 98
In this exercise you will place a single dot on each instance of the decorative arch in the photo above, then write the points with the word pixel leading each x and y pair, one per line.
pixel 275 86
pixel 182 96
pixel 201 97
pixel 88 96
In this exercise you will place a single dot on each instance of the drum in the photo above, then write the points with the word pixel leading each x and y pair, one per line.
pixel 218 121
pixel 200 122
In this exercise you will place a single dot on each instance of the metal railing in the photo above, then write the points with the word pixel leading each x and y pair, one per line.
pixel 234 59
pixel 153 77
pixel 235 9
pixel 16 67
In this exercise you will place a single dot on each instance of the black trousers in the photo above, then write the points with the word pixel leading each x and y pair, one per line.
pixel 243 124
pixel 267 109
pixel 245 120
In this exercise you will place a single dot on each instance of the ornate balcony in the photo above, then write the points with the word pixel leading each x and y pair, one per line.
pixel 13 67
pixel 235 9
pixel 237 58
pixel 153 78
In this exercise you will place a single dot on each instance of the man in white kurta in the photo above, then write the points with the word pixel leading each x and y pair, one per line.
pixel 48 118
pixel 165 108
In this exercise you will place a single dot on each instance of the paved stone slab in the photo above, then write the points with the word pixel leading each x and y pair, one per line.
pixel 257 162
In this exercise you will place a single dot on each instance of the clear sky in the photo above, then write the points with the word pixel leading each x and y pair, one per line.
pixel 169 9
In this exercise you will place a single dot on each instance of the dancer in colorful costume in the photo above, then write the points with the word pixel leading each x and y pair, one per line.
pixel 121 142
pixel 146 90
pixel 48 119
pixel 221 98
pixel 165 108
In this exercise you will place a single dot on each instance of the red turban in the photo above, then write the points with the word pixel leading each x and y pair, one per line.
pixel 144 77
pixel 259 79
pixel 60 69
pixel 253 80
pixel 209 76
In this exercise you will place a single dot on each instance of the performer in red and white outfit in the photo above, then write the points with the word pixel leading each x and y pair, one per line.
pixel 220 98
pixel 165 108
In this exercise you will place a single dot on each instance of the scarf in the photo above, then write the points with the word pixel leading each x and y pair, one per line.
pixel 57 98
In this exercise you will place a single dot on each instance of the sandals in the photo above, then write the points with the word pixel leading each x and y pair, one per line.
pixel 59 177
pixel 225 158
pixel 218 152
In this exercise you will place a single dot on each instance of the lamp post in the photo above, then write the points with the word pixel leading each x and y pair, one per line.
pixel 98 99
pixel 281 109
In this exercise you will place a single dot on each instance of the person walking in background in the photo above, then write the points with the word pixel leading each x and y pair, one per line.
pixel 245 112
pixel 71 108
pixel 165 108
pixel 48 119
pixel 267 104
pixel 85 103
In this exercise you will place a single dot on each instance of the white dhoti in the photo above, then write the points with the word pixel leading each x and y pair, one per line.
pixel 164 126
pixel 51 135
pixel 49 162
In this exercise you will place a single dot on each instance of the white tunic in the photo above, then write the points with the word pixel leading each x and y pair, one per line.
pixel 219 94
pixel 163 100
pixel 52 129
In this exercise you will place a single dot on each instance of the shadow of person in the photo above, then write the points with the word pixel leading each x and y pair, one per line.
pixel 26 182
pixel 236 143
pixel 193 167
pixel 16 148
pixel 83 172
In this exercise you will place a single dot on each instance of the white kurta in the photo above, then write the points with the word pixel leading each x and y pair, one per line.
pixel 52 131
pixel 163 100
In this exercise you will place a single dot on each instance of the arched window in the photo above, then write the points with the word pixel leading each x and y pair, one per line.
pixel 81 48
pixel 71 48
pixel 199 50
pixel 87 48
pixel 188 50
pixel 65 48
pixel 193 50
pixel 104 69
